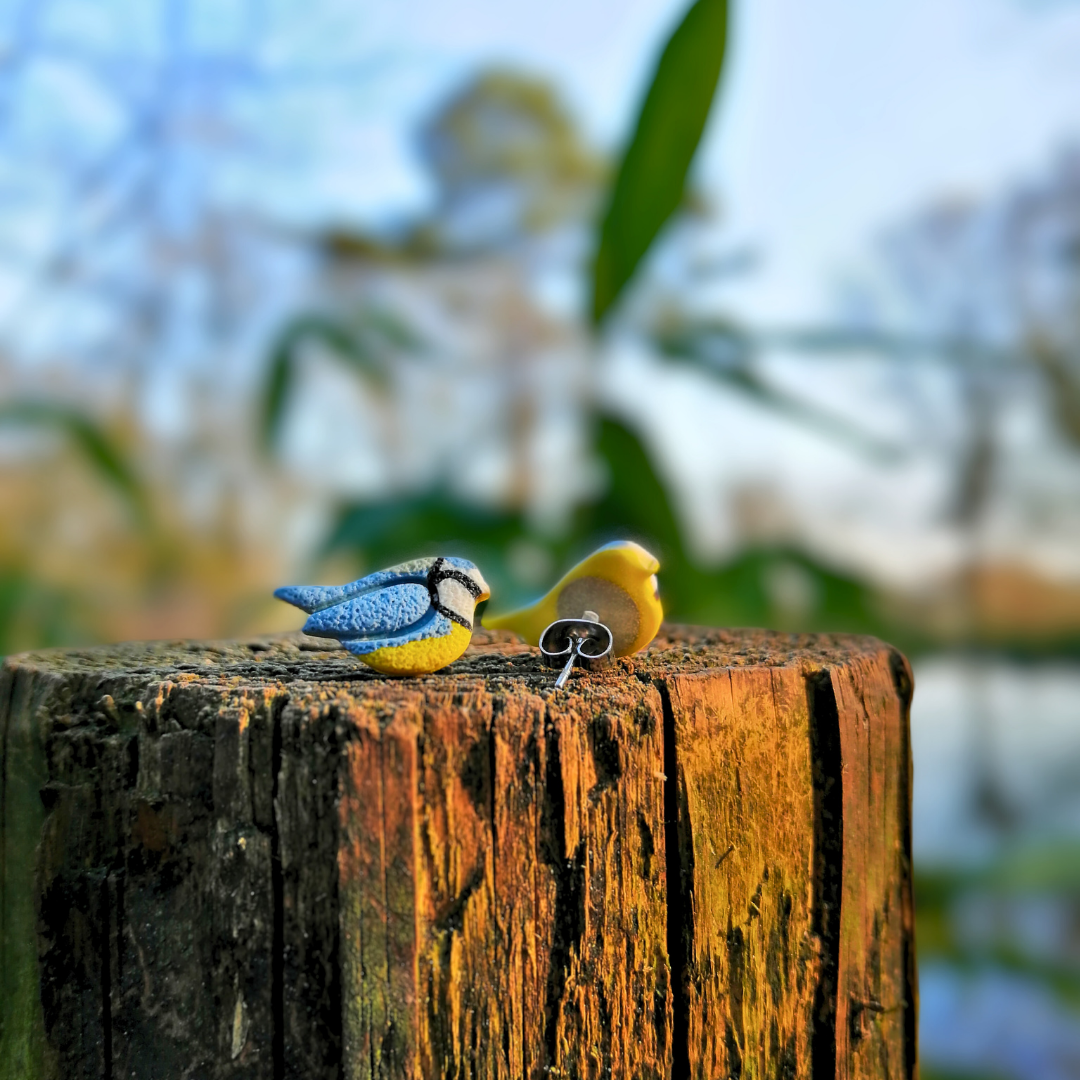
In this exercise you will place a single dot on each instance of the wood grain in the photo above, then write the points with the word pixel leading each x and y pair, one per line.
pixel 258 859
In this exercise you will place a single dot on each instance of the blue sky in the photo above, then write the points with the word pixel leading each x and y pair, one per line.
pixel 835 118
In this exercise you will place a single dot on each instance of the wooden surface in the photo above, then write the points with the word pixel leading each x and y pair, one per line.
pixel 260 859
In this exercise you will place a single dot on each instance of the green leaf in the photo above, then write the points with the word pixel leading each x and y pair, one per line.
pixel 354 347
pixel 651 181
pixel 635 504
pixel 96 447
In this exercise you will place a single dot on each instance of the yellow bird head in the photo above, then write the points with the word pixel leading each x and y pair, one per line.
pixel 618 582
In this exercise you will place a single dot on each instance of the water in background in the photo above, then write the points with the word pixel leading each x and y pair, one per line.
pixel 996 749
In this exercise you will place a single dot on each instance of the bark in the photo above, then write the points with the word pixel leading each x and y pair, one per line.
pixel 261 859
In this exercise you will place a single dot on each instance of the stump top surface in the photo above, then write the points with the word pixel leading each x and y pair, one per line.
pixel 494 656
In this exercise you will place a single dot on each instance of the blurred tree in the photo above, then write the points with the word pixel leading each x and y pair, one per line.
pixel 139 153
pixel 992 290
pixel 507 160
pixel 152 257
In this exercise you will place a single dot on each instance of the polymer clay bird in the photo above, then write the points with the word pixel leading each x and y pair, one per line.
pixel 410 619
pixel 617 584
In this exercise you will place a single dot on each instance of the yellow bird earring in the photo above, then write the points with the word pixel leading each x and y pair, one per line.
pixel 608 605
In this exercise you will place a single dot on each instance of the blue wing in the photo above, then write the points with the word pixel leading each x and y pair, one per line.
pixel 432 626
pixel 390 607
pixel 311 598
pixel 392 615
pixel 380 613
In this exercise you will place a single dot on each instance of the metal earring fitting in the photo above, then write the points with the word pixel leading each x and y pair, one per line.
pixel 564 641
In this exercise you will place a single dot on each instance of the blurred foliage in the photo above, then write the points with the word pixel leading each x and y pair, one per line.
pixel 764 586
pixel 34 611
pixel 504 141
pixel 472 141
pixel 97 449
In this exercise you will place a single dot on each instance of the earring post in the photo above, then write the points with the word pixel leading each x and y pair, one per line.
pixel 560 682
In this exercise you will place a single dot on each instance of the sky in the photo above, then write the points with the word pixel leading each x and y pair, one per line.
pixel 834 121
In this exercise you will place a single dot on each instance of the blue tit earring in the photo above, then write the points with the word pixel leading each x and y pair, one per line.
pixel 410 619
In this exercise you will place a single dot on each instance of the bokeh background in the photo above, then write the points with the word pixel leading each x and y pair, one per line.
pixel 292 291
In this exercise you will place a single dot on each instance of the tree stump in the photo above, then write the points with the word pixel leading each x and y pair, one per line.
pixel 261 859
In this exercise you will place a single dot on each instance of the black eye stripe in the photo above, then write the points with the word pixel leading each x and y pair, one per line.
pixel 457 575
pixel 437 574
pixel 453 616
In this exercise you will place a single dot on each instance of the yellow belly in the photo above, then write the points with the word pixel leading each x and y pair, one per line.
pixel 420 657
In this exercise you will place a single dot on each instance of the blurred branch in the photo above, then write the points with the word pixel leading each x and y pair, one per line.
pixel 726 352
pixel 1064 383
pixel 364 347
pixel 841 341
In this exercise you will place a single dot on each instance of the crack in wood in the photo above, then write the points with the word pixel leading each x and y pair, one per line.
pixel 277 897
pixel 678 850
pixel 828 865
pixel 905 688
pixel 568 869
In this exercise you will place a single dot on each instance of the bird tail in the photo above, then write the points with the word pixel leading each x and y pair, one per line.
pixel 308 598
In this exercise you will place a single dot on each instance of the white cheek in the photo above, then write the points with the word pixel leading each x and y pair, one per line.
pixel 457 598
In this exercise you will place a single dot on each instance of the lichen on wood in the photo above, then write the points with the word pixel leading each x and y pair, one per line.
pixel 259 859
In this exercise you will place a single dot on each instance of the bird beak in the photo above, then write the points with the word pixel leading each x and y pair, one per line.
pixel 485 591
pixel 646 561
pixel 648 564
